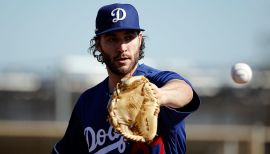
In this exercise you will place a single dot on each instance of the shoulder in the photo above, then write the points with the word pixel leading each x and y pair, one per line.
pixel 93 92
pixel 159 77
pixel 145 70
pixel 97 88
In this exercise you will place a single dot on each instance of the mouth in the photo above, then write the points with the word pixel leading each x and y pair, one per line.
pixel 122 60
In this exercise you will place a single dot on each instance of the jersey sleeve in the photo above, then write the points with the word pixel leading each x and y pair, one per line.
pixel 178 114
pixel 73 141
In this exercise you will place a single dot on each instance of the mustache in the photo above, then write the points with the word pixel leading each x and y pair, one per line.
pixel 121 56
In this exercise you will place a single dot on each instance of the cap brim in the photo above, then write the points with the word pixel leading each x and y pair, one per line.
pixel 118 28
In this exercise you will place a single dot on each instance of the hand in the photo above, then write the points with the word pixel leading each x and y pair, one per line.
pixel 158 92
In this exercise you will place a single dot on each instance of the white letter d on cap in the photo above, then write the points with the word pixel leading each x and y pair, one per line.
pixel 116 13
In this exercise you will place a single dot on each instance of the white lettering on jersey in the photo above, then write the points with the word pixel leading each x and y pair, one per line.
pixel 99 138
pixel 116 13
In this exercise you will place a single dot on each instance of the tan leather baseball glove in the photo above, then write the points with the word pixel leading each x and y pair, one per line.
pixel 133 109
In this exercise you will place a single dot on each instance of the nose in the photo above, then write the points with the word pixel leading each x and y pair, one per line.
pixel 122 47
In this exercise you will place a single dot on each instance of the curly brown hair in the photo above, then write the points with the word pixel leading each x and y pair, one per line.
pixel 94 42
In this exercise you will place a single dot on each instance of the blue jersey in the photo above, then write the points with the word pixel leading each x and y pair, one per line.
pixel 90 132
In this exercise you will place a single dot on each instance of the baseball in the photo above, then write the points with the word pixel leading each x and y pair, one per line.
pixel 241 73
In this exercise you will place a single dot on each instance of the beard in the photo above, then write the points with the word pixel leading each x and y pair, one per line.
pixel 112 66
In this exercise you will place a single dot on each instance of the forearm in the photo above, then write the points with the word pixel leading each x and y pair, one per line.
pixel 175 94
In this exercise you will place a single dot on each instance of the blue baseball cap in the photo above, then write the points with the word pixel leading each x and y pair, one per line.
pixel 116 17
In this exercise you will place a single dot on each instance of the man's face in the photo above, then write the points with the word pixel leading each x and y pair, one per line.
pixel 120 50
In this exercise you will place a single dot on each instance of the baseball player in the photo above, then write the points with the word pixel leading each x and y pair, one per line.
pixel 119 43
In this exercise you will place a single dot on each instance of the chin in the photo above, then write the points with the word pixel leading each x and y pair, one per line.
pixel 124 70
pixel 121 70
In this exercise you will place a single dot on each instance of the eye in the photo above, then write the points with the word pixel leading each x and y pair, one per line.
pixel 129 37
pixel 111 39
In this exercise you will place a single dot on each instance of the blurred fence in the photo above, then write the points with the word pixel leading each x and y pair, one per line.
pixel 40 136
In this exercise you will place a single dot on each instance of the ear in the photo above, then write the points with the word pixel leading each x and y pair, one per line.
pixel 140 35
pixel 97 44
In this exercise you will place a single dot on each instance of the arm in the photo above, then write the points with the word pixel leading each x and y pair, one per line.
pixel 175 93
